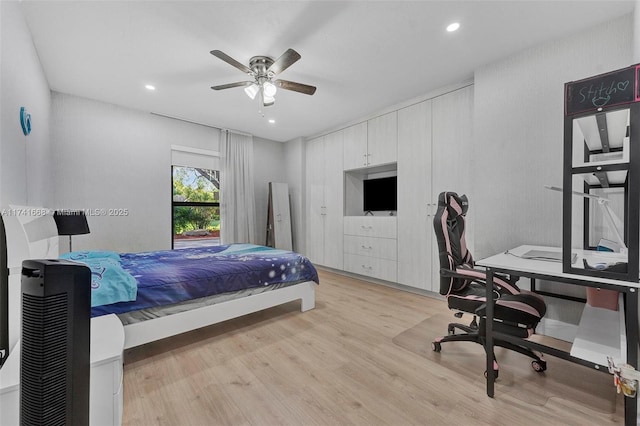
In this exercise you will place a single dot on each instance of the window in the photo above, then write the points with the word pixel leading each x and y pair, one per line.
pixel 196 207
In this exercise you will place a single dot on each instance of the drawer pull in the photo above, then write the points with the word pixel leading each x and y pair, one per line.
pixel 367 248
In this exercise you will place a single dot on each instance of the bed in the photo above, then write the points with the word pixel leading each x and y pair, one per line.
pixel 176 291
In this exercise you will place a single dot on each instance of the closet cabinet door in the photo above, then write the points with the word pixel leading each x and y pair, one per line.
pixel 453 155
pixel 333 200
pixel 355 146
pixel 315 200
pixel 382 139
pixel 415 220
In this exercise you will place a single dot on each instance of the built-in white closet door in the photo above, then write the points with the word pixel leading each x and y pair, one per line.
pixel 382 139
pixel 355 146
pixel 315 200
pixel 415 228
pixel 453 154
pixel 333 200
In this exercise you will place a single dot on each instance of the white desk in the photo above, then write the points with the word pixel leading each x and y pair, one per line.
pixel 591 346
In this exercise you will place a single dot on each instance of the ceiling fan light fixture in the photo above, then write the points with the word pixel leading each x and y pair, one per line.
pixel 263 69
pixel 267 100
pixel 269 89
pixel 252 90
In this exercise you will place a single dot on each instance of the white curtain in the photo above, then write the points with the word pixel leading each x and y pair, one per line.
pixel 237 200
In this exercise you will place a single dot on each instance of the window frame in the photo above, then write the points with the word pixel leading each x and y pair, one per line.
pixel 175 204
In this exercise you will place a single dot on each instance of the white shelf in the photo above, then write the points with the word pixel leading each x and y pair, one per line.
pixel 614 177
pixel 601 333
pixel 617 122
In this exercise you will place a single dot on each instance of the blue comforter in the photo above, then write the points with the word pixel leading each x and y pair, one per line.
pixel 172 276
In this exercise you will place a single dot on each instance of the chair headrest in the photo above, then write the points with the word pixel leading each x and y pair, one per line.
pixel 456 205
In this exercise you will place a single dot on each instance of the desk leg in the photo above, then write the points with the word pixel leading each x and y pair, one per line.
pixel 489 333
pixel 631 314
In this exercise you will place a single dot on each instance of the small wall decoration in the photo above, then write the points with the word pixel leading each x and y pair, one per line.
pixel 25 121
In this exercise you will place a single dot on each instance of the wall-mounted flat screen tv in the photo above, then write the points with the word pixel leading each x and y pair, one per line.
pixel 381 194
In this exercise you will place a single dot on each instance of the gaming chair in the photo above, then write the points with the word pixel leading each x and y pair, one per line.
pixel 516 312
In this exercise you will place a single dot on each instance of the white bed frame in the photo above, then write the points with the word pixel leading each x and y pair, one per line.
pixel 33 235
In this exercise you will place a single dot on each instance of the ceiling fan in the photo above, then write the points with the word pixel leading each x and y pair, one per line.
pixel 263 69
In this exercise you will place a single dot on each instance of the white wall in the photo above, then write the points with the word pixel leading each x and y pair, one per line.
pixel 109 157
pixel 518 144
pixel 636 33
pixel 24 160
pixel 269 166
pixel 518 134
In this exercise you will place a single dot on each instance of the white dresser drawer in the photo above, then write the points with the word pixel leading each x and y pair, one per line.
pixel 372 267
pixel 371 226
pixel 382 248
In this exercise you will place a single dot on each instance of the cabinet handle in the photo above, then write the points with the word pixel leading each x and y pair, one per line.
pixel 366 267
pixel 366 248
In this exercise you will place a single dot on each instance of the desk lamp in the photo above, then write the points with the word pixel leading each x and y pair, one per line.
pixel 71 222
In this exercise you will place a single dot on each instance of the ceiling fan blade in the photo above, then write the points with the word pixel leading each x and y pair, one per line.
pixel 230 85
pixel 228 59
pixel 296 87
pixel 287 59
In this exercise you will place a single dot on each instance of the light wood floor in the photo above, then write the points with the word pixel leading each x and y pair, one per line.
pixel 334 365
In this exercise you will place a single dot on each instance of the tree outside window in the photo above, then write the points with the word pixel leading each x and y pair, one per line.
pixel 196 206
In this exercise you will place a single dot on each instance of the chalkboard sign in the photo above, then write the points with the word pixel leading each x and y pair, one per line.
pixel 604 90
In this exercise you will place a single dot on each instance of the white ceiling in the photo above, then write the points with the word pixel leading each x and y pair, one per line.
pixel 362 56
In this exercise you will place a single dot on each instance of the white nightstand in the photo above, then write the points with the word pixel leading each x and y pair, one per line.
pixel 107 345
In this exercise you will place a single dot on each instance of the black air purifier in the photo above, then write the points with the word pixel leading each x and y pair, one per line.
pixel 56 339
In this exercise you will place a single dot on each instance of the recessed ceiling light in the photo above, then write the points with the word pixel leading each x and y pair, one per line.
pixel 150 87
pixel 453 27
pixel 272 121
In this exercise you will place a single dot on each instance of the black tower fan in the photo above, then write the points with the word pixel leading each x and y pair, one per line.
pixel 56 333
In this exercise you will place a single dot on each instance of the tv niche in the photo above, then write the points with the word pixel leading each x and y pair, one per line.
pixel 380 194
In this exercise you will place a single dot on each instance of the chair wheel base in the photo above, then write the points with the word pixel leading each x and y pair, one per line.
pixel 539 366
